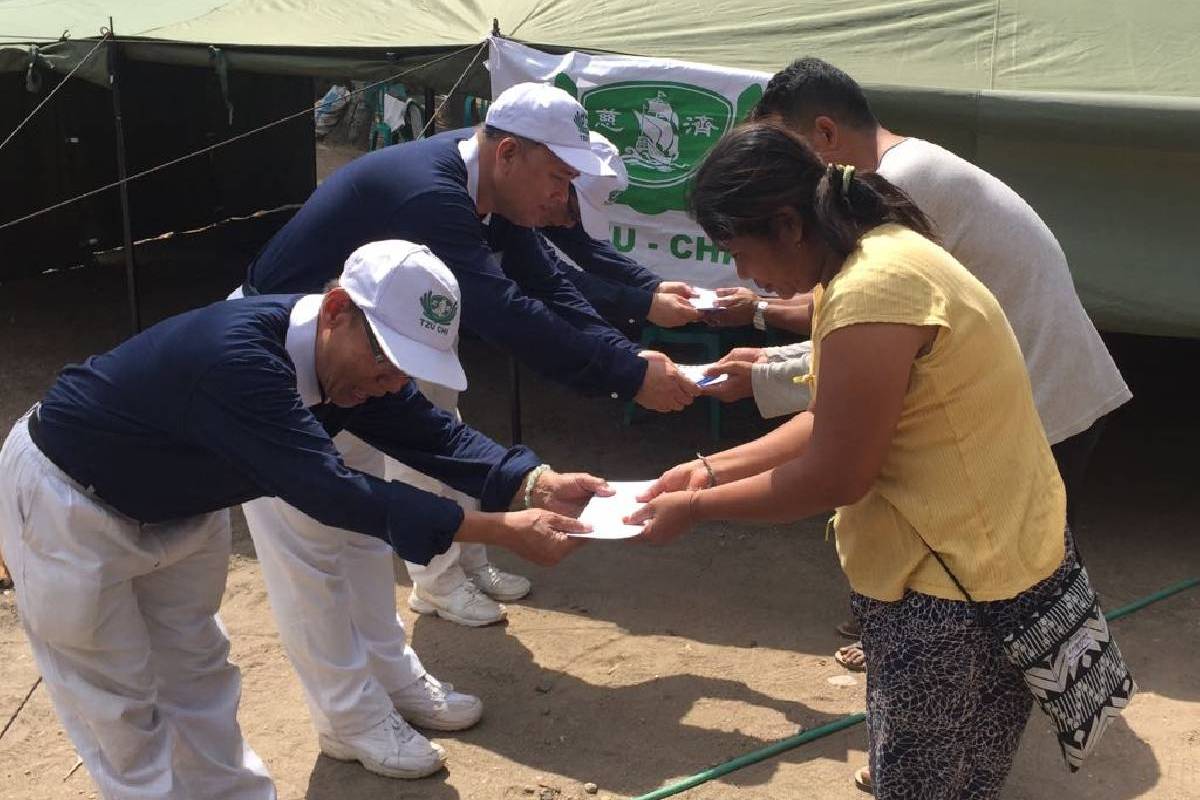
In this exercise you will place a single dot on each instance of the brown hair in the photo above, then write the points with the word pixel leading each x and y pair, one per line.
pixel 760 168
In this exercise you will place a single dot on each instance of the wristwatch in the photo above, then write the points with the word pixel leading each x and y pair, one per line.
pixel 760 310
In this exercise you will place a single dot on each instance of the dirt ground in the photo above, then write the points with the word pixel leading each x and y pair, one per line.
pixel 628 666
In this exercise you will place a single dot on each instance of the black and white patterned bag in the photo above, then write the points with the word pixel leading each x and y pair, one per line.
pixel 1070 661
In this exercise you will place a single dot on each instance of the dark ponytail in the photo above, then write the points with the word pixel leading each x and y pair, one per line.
pixel 759 168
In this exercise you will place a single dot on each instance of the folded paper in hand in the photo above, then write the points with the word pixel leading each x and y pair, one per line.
pixel 606 515
pixel 705 300
pixel 695 373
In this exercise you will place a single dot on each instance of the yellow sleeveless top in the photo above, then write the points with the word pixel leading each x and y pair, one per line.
pixel 969 468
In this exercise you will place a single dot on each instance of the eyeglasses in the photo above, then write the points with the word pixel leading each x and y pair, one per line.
pixel 376 348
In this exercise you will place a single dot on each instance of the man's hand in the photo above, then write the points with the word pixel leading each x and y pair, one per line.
pixel 567 493
pixel 664 388
pixel 669 310
pixel 666 518
pixel 737 386
pixel 686 476
pixel 736 308
pixel 676 287
pixel 540 536
pixel 755 355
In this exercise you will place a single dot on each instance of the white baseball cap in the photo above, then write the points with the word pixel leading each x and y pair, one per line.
pixel 411 301
pixel 594 192
pixel 548 115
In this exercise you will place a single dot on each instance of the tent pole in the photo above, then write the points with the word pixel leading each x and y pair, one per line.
pixel 430 107
pixel 135 320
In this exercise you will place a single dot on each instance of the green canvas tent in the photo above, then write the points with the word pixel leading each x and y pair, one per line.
pixel 1089 108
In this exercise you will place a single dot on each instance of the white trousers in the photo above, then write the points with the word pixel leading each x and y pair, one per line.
pixel 446 571
pixel 122 620
pixel 333 594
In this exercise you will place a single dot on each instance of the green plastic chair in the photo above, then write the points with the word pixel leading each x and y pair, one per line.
pixel 381 134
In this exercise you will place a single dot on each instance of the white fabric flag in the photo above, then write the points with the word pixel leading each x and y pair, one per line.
pixel 663 116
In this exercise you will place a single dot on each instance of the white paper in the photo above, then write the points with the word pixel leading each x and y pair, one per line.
pixel 706 300
pixel 606 514
pixel 695 373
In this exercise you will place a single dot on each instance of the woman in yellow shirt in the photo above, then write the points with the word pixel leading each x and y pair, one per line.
pixel 922 434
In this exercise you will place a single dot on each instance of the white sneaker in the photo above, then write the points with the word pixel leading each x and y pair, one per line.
pixel 502 586
pixel 392 749
pixel 429 703
pixel 463 604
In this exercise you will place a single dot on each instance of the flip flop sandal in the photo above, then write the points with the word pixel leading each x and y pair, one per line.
pixel 840 658
pixel 862 779
pixel 850 630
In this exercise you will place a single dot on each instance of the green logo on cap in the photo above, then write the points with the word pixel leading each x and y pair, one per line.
pixel 439 311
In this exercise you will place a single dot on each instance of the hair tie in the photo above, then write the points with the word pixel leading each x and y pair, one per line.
pixel 847 175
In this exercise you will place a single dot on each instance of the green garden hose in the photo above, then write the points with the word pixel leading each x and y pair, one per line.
pixel 783 745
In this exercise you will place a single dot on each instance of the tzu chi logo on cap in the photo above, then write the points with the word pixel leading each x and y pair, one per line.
pixel 438 311
pixel 581 122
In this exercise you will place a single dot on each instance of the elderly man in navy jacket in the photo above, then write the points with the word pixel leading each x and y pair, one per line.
pixel 114 496
pixel 623 291
pixel 474 198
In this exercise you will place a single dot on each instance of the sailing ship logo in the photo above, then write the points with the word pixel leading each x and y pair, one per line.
pixel 657 145
pixel 662 130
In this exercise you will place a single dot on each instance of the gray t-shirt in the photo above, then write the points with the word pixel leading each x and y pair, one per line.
pixel 1003 242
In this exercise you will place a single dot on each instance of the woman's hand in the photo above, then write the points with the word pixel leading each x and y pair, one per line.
pixel 666 517
pixel 686 476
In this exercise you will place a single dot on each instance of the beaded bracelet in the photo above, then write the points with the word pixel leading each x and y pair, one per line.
pixel 531 481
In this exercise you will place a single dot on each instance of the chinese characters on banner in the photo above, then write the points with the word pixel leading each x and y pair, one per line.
pixel 663 116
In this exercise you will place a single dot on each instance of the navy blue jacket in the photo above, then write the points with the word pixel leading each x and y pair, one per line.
pixel 618 287
pixel 201 412
pixel 514 295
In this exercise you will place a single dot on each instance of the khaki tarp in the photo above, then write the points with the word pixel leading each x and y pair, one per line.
pixel 1089 108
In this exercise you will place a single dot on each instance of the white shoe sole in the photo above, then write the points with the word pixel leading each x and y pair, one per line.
pixel 429 723
pixel 340 752
pixel 504 597
pixel 423 606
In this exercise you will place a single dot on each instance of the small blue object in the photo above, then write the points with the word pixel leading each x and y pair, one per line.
pixel 706 380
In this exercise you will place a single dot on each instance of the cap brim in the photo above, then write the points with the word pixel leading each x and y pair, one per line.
pixel 583 159
pixel 594 218
pixel 419 360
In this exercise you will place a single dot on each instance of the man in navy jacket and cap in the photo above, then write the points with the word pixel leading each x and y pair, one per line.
pixel 474 197
pixel 114 496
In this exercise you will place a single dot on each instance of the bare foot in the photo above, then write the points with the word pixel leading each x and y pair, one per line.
pixel 852 657
pixel 862 779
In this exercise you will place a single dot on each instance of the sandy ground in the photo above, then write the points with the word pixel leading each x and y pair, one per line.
pixel 629 666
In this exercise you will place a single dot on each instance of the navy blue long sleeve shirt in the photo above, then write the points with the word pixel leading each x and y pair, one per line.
pixel 513 294
pixel 618 287
pixel 202 411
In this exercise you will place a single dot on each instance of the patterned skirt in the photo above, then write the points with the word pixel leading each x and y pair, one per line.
pixel 945 708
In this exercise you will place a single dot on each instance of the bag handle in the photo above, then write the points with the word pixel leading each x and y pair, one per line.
pixel 942 561
pixel 958 584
